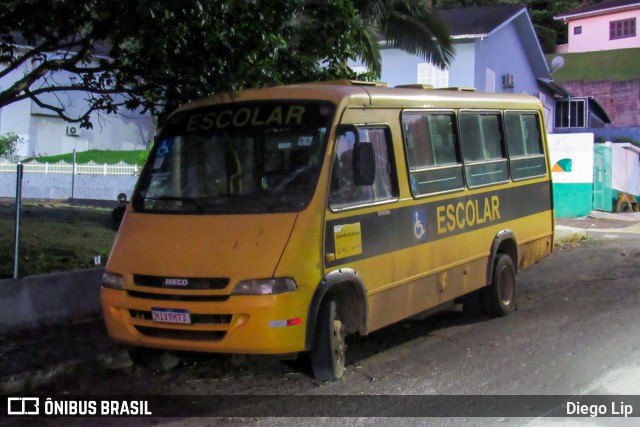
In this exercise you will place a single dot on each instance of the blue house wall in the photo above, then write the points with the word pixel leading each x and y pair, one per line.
pixel 399 67
pixel 462 71
pixel 503 52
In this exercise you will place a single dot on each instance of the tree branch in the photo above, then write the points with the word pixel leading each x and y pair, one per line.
pixel 83 119
pixel 12 93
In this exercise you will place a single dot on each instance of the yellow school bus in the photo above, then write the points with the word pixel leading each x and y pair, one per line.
pixel 281 220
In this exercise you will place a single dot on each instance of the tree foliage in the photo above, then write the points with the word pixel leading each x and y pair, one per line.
pixel 154 55
pixel 408 25
pixel 8 144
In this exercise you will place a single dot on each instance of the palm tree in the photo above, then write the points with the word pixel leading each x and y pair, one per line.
pixel 408 25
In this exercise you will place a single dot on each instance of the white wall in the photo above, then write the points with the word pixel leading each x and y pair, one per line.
pixel 46 133
pixel 58 186
pixel 625 160
pixel 577 147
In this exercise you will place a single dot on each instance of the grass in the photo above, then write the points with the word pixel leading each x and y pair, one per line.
pixel 619 64
pixel 572 241
pixel 135 157
pixel 54 237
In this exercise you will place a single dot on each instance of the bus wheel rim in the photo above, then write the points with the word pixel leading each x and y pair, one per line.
pixel 339 346
pixel 507 285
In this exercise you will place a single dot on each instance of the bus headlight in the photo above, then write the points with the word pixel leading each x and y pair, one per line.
pixel 112 281
pixel 264 286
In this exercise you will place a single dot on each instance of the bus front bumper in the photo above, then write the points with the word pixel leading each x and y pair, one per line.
pixel 260 324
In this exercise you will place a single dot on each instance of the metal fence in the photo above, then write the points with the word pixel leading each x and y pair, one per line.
pixel 90 168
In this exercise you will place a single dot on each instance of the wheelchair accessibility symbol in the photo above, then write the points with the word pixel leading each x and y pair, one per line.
pixel 419 224
pixel 165 148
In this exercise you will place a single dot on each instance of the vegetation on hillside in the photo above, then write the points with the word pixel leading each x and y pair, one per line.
pixel 619 64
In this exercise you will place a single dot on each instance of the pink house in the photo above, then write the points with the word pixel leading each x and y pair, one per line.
pixel 607 25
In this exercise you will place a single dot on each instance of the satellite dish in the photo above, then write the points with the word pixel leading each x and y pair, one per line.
pixel 557 63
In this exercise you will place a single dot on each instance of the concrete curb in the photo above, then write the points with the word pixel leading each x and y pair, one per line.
pixel 49 299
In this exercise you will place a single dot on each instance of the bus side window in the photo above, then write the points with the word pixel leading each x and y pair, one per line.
pixel 526 157
pixel 482 148
pixel 344 192
pixel 432 152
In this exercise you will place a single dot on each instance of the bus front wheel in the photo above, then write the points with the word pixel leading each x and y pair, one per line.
pixel 328 353
pixel 498 297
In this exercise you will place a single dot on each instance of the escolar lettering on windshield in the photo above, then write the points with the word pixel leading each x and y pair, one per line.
pixel 246 117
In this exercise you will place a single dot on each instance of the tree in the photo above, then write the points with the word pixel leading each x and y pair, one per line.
pixel 153 55
pixel 454 4
pixel 408 25
pixel 543 12
pixel 121 53
pixel 8 144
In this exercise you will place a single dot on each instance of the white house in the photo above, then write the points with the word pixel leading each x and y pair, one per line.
pixel 43 132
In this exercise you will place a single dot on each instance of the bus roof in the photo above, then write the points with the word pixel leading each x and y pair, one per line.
pixel 367 94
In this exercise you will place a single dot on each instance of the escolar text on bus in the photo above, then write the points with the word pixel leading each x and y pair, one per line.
pixel 256 116
pixel 460 215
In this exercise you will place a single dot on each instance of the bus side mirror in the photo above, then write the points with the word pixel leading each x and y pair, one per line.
pixel 364 163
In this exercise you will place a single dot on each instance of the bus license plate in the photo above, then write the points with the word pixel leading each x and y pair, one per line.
pixel 171 315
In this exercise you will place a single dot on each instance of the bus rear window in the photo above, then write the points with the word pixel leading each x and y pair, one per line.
pixel 526 158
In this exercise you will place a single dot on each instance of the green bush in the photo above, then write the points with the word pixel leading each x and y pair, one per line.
pixel 8 144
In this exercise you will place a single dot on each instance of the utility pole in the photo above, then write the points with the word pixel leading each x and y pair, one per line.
pixel 16 251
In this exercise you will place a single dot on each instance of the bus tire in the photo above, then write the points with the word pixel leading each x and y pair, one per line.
pixel 498 299
pixel 328 353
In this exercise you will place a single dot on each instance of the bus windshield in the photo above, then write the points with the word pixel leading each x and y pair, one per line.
pixel 239 158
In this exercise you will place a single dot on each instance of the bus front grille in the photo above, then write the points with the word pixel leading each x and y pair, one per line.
pixel 178 297
pixel 181 334
pixel 180 282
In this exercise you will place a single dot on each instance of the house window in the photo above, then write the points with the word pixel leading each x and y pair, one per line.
pixel 577 30
pixel 571 113
pixel 428 74
pixel 622 29
pixel 490 80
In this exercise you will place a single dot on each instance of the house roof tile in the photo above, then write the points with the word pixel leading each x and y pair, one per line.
pixel 477 20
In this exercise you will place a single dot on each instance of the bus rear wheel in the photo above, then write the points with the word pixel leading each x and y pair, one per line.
pixel 498 298
pixel 328 353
